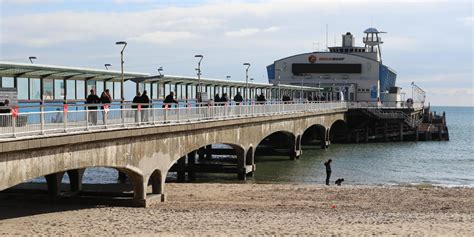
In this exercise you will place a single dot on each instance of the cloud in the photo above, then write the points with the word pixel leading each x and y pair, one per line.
pixel 27 2
pixel 467 21
pixel 163 37
pixel 249 31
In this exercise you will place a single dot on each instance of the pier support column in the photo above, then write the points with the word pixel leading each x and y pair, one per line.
pixel 208 152
pixel 54 184
pixel 201 153
pixel 401 131
pixel 250 162
pixel 417 134
pixel 295 148
pixel 181 176
pixel 157 180
pixel 385 131
pixel 191 163
pixel 122 177
pixel 367 134
pixel 241 163
pixel 75 179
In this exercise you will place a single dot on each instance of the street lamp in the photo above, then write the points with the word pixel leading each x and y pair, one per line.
pixel 199 73
pixel 228 77
pixel 31 59
pixel 107 65
pixel 247 81
pixel 250 92
pixel 160 69
pixel 121 67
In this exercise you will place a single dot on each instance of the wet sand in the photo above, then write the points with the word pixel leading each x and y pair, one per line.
pixel 250 209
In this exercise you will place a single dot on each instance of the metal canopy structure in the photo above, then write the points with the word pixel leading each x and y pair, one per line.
pixel 164 79
pixel 9 69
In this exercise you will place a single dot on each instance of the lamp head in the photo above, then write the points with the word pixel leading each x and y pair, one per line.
pixel 198 56
pixel 246 64
pixel 121 42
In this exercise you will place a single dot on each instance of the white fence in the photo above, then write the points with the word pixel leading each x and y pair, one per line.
pixel 388 105
pixel 75 118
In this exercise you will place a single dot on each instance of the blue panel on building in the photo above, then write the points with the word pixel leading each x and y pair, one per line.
pixel 388 78
pixel 271 73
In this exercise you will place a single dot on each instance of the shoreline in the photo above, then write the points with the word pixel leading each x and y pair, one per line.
pixel 268 209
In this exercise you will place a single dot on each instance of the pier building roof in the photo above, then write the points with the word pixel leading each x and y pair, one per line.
pixel 10 69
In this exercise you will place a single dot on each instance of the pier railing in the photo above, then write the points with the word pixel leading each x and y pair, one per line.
pixel 55 119
pixel 385 105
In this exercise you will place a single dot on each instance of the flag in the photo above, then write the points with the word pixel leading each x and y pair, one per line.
pixel 15 112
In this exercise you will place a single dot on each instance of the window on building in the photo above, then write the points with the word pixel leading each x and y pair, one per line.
pixel 22 88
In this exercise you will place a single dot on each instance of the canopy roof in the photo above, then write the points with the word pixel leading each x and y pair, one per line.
pixel 215 82
pixel 10 69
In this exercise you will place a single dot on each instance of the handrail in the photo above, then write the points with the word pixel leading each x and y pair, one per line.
pixel 56 119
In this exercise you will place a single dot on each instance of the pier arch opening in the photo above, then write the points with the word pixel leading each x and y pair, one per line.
pixel 314 135
pixel 280 143
pixel 208 163
pixel 338 132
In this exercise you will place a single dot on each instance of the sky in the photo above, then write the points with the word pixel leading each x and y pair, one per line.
pixel 428 42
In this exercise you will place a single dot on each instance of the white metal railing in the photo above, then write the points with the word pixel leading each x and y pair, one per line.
pixel 44 120
pixel 388 105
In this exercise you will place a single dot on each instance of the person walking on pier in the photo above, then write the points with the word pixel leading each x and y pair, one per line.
pixel 136 100
pixel 328 170
pixel 169 99
pixel 105 99
pixel 92 99
pixel 145 100
pixel 238 98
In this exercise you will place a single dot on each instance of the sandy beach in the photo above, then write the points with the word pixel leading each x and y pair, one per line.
pixel 258 209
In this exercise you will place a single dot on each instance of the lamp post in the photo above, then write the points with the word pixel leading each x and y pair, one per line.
pixel 107 65
pixel 31 59
pixel 247 81
pixel 199 73
pixel 121 67
pixel 228 77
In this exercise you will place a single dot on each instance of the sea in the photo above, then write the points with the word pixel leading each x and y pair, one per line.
pixel 436 163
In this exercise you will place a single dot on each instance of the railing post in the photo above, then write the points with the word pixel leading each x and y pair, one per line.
pixel 14 125
pixel 152 108
pixel 178 112
pixel 42 119
pixel 86 109
pixel 65 120
pixel 122 115
pixel 139 114
pixel 165 117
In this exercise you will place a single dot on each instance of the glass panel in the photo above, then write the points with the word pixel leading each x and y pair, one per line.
pixel 117 90
pixel 99 85
pixel 22 88
pixel 70 90
pixel 35 89
pixel 48 89
pixel 58 89
pixel 91 85
pixel 80 90
pixel 154 87
pixel 178 91
pixel 141 87
pixel 7 82
pixel 148 88
pixel 167 89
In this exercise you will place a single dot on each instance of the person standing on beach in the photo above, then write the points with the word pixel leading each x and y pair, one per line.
pixel 328 170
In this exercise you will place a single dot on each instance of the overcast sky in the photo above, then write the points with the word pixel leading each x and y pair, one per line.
pixel 428 42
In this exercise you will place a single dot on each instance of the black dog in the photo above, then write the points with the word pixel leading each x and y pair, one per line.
pixel 339 181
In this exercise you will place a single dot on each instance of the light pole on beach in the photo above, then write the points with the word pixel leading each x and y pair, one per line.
pixel 121 67
pixel 199 73
pixel 247 81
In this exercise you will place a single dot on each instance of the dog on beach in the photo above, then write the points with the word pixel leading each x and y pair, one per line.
pixel 339 182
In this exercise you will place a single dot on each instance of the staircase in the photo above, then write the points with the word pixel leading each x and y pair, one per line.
pixel 395 115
